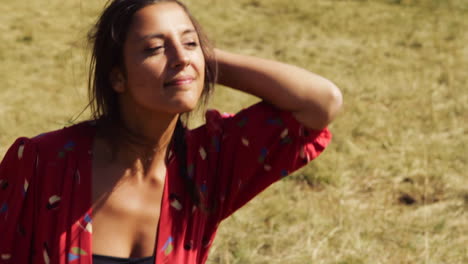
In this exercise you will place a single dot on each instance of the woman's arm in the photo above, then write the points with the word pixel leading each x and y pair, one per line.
pixel 313 100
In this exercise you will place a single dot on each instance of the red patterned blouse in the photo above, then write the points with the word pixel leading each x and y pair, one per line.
pixel 45 185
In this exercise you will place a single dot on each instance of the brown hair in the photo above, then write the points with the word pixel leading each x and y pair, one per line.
pixel 108 37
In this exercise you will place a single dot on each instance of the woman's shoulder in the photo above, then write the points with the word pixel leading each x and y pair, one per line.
pixel 257 117
pixel 216 121
pixel 65 139
pixel 63 133
pixel 259 122
pixel 52 146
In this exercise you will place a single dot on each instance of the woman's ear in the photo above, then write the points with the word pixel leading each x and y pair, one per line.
pixel 117 80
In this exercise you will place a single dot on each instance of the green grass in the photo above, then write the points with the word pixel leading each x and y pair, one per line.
pixel 392 188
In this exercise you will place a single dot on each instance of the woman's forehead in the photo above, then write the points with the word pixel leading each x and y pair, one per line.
pixel 160 19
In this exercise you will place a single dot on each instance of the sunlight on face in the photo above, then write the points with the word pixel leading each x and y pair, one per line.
pixel 163 60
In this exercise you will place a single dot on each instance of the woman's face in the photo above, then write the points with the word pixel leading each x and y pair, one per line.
pixel 164 63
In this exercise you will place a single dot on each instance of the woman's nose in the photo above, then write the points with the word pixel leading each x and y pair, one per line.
pixel 180 57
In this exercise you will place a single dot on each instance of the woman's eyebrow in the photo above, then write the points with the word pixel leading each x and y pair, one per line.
pixel 161 36
pixel 188 31
pixel 152 36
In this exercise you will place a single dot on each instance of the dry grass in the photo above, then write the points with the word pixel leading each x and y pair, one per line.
pixel 392 188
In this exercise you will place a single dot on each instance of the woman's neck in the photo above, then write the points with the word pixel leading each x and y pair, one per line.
pixel 140 141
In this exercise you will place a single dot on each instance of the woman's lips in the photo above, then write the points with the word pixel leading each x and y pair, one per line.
pixel 179 81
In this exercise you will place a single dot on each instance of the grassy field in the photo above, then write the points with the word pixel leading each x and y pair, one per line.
pixel 393 186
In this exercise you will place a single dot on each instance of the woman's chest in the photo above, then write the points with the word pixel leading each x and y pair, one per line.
pixel 126 214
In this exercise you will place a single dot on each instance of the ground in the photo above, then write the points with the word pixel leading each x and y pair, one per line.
pixel 391 188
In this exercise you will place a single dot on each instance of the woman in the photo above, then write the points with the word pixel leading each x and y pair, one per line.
pixel 134 185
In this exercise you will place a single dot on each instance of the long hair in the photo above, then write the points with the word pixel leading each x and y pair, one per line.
pixel 107 38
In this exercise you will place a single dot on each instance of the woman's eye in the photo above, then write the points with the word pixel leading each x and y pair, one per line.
pixel 154 49
pixel 191 44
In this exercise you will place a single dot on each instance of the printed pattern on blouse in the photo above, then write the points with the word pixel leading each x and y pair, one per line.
pixel 45 185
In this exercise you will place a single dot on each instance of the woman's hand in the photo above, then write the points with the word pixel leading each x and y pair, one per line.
pixel 313 100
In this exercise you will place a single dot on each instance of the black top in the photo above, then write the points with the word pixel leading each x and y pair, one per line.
pixel 99 259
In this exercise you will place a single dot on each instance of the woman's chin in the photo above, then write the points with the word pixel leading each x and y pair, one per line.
pixel 182 101
pixel 183 106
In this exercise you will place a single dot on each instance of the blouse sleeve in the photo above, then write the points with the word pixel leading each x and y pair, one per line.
pixel 257 147
pixel 16 202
